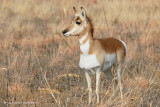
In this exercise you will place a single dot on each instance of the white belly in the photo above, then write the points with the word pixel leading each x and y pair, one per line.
pixel 110 59
pixel 88 61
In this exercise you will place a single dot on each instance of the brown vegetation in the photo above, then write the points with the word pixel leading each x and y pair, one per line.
pixel 32 51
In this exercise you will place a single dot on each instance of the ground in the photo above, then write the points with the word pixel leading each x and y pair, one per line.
pixel 39 67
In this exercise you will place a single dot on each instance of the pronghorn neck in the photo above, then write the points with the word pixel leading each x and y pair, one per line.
pixel 86 38
pixel 83 38
pixel 85 42
pixel 87 28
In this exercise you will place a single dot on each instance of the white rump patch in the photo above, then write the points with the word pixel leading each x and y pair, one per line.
pixel 110 59
pixel 124 45
pixel 88 61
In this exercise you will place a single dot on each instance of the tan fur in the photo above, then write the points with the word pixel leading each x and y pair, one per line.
pixel 102 46
pixel 112 45
pixel 99 47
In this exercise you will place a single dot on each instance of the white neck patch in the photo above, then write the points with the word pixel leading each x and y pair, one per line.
pixel 83 38
pixel 84 47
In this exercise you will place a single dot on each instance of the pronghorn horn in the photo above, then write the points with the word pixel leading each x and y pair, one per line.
pixel 74 9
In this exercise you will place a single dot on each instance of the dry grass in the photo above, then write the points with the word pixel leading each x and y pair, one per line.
pixel 29 31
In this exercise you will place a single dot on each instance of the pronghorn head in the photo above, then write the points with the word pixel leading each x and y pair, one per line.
pixel 79 22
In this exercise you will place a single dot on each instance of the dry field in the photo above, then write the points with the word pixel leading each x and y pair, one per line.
pixel 39 69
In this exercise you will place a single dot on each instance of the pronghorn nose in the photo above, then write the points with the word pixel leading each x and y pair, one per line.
pixel 64 31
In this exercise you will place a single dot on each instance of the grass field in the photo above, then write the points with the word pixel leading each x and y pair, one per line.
pixel 36 61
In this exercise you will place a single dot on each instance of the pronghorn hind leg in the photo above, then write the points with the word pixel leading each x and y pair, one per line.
pixel 118 71
pixel 88 78
pixel 98 79
pixel 118 66
pixel 108 74
pixel 119 82
pixel 116 84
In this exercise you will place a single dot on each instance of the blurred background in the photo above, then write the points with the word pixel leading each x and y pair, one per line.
pixel 36 61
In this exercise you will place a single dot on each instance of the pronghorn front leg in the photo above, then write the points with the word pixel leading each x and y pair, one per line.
pixel 89 87
pixel 98 74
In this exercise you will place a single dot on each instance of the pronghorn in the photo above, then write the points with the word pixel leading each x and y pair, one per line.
pixel 97 55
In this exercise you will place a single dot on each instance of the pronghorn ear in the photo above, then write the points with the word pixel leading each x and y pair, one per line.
pixel 83 12
pixel 74 9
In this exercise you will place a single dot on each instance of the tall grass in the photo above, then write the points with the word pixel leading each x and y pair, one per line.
pixel 29 30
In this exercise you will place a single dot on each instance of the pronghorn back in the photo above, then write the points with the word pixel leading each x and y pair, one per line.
pixel 111 45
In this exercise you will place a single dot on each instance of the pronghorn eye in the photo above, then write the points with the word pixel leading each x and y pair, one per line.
pixel 78 23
